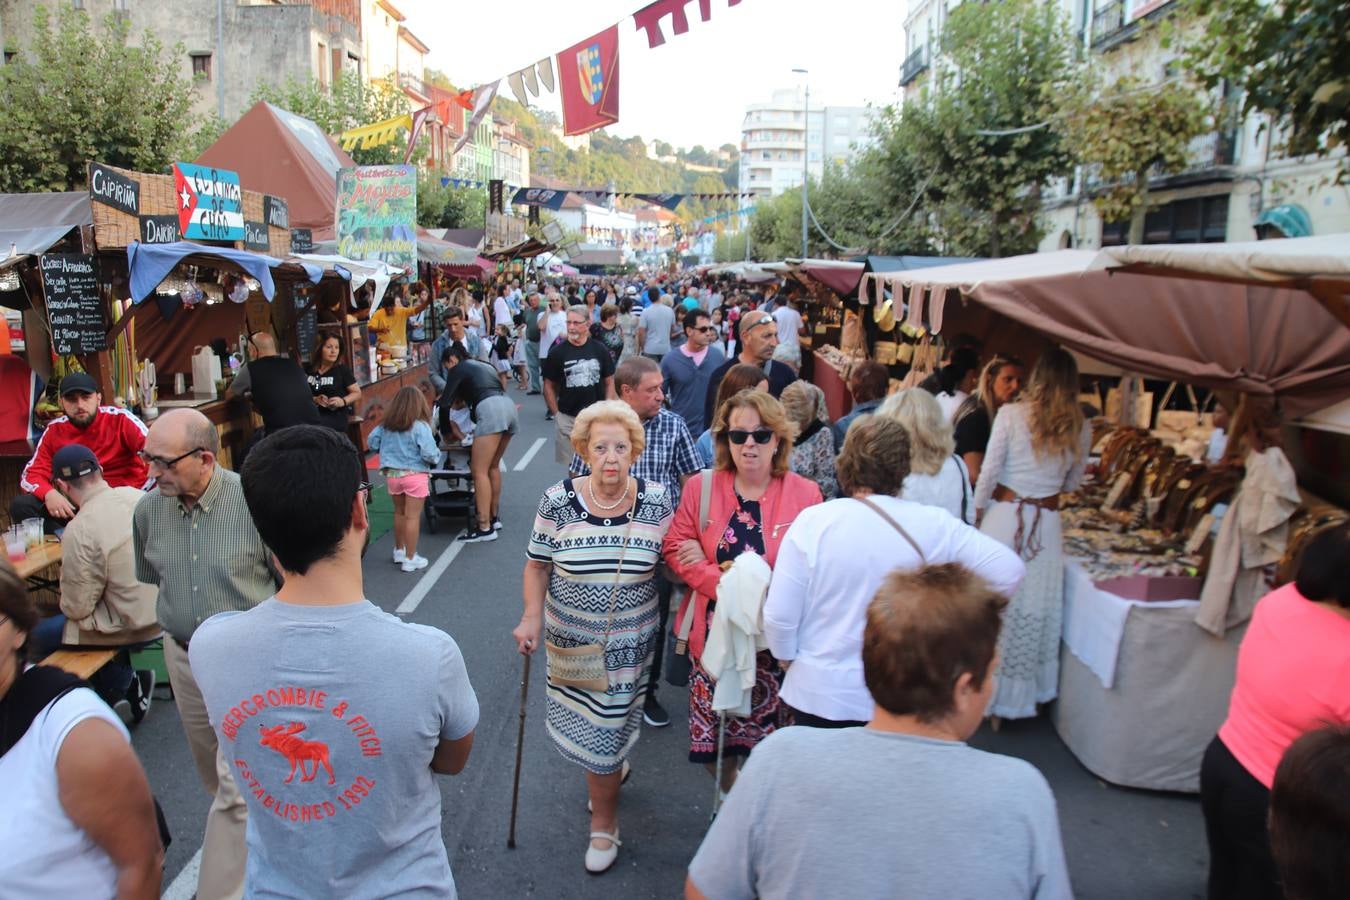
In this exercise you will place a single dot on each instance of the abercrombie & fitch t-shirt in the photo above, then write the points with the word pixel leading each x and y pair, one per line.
pixel 328 718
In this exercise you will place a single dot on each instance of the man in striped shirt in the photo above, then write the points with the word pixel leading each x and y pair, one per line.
pixel 194 540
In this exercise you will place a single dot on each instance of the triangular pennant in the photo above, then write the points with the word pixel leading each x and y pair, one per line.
pixel 517 82
pixel 531 80
pixel 419 119
pixel 544 68
pixel 483 96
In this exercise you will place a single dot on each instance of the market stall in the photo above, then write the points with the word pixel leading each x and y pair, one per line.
pixel 1148 664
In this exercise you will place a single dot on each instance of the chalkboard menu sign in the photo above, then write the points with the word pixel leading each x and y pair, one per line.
pixel 302 240
pixel 306 328
pixel 73 304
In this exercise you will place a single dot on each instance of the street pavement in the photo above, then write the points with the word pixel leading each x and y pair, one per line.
pixel 1119 843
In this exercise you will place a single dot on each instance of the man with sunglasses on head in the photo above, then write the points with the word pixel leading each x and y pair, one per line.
pixel 758 336
pixel 689 368
pixel 114 434
pixel 195 541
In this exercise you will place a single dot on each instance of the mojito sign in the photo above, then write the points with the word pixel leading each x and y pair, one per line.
pixel 377 214
pixel 210 203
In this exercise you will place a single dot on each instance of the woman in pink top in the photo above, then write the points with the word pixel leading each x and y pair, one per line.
pixel 1293 676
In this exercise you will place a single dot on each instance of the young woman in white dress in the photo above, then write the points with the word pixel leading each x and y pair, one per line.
pixel 1037 450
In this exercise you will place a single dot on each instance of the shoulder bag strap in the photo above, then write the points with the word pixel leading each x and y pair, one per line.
pixel 894 524
pixel 704 512
pixel 966 489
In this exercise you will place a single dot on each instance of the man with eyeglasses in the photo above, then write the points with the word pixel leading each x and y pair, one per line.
pixel 758 336
pixel 578 372
pixel 194 540
pixel 689 368
pixel 114 434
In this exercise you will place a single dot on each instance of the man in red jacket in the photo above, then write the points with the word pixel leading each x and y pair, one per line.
pixel 114 434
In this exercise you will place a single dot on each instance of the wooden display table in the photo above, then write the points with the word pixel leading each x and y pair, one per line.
pixel 39 559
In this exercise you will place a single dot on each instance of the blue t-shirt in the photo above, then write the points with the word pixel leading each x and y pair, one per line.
pixel 328 717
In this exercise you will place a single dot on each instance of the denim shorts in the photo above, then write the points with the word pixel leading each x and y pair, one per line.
pixel 495 415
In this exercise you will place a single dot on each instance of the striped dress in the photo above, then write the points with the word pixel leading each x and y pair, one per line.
pixel 598 730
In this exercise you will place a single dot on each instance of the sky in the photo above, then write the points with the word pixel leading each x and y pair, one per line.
pixel 694 88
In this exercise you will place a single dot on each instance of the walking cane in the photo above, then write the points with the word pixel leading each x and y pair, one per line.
pixel 717 786
pixel 520 744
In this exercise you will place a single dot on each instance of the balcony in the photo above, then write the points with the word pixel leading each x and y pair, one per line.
pixel 1108 22
pixel 914 65
pixel 412 82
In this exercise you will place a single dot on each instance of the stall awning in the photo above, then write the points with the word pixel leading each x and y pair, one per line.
pixel 456 259
pixel 358 272
pixel 30 223
pixel 149 264
pixel 1274 341
pixel 840 276
pixel 598 258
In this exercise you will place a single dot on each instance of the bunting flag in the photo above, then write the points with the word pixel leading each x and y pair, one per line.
pixel 483 95
pixel 536 197
pixel 589 72
pixel 531 80
pixel 516 81
pixel 669 201
pixel 376 135
pixel 544 68
pixel 595 198
pixel 419 118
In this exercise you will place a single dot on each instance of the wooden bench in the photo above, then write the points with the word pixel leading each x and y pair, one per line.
pixel 81 662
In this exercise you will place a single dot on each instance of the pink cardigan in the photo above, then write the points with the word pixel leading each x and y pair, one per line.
pixel 787 496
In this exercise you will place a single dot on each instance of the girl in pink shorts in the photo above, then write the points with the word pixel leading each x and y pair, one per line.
pixel 408 451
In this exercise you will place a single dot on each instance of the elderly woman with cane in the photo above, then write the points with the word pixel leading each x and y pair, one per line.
pixel 591 601
pixel 751 502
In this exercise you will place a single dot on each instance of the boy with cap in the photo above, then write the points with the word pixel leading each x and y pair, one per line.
pixel 115 436
pixel 102 602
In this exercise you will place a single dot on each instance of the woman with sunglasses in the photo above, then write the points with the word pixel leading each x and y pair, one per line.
pixel 753 500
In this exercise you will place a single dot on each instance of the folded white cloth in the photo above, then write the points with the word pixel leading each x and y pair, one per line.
pixel 737 633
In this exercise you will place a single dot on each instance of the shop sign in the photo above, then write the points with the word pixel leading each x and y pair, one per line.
pixel 255 236
pixel 114 189
pixel 377 214
pixel 210 203
pixel 275 212
pixel 160 230
pixel 302 240
pixel 73 307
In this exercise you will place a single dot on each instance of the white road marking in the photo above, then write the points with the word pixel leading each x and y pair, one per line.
pixel 529 454
pixel 501 464
pixel 430 577
pixel 184 884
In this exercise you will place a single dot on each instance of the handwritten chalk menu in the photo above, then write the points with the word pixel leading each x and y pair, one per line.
pixel 73 304
pixel 306 328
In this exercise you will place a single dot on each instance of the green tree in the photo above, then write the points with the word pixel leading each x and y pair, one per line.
pixel 1292 60
pixel 982 133
pixel 348 104
pixel 80 97
pixel 440 206
pixel 1126 129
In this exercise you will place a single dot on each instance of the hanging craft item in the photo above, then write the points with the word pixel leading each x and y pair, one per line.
pixel 590 82
pixel 375 135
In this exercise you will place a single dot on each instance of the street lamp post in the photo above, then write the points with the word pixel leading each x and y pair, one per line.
pixel 806 150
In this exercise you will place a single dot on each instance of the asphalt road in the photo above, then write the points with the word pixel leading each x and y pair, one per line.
pixel 1120 843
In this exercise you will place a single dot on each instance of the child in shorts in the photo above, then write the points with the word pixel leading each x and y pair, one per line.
pixel 408 452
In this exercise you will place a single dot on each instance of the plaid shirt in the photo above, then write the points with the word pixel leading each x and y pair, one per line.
pixel 670 454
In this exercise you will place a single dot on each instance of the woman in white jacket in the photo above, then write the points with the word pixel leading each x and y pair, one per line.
pixel 835 556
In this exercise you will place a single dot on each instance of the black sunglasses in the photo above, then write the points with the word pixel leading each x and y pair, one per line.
pixel 704 328
pixel 761 436
pixel 167 464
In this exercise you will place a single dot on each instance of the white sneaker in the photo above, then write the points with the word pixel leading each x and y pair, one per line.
pixel 400 555
pixel 416 564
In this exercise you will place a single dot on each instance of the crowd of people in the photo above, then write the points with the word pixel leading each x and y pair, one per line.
pixel 846 601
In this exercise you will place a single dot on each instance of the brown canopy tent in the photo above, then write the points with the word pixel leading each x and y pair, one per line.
pixel 288 156
pixel 1278 342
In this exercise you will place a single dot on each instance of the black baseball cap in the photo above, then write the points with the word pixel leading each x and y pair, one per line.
pixel 78 381
pixel 74 461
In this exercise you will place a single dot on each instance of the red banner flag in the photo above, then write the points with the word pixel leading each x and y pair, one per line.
pixel 588 74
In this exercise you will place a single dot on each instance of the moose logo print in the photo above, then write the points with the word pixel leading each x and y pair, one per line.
pixel 333 749
pixel 297 750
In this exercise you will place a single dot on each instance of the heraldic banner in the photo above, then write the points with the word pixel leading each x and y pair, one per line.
pixel 588 75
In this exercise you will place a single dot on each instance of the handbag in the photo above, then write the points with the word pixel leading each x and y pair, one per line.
pixel 583 666
pixel 678 664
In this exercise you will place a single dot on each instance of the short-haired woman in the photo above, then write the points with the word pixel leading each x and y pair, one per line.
pixel 973 421
pixel 79 820
pixel 813 452
pixel 595 546
pixel 628 326
pixel 739 377
pixel 1293 675
pixel 937 476
pixel 408 453
pixel 752 501
pixel 332 383
pixel 606 330
pixel 1038 450
pixel 834 558
pixel 1310 816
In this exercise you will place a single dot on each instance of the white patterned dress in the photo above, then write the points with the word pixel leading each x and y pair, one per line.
pixel 1028 644
pixel 598 730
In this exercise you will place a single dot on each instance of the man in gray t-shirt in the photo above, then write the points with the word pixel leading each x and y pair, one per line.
pixel 655 328
pixel 332 715
pixel 902 807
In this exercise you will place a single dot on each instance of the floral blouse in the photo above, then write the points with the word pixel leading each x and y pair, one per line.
pixel 744 531
pixel 813 457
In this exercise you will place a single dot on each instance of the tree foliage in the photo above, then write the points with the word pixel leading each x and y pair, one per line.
pixel 80 97
pixel 448 207
pixel 1292 60
pixel 1127 128
pixel 348 104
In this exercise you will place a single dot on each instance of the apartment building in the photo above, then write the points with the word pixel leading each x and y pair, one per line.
pixel 784 137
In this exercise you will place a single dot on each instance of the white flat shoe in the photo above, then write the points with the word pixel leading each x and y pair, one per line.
pixel 598 861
